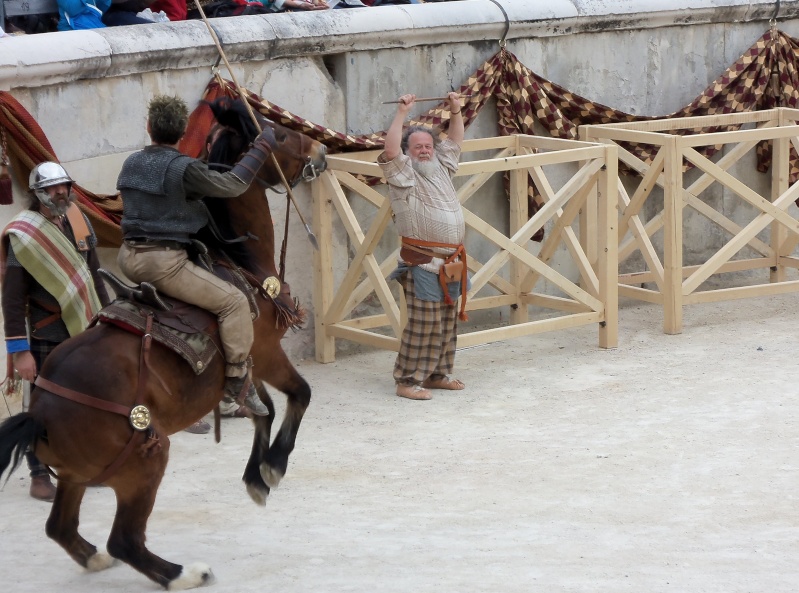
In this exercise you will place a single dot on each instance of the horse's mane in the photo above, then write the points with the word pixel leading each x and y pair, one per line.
pixel 237 131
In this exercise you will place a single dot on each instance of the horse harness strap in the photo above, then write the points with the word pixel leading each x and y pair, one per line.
pixel 138 414
pixel 81 398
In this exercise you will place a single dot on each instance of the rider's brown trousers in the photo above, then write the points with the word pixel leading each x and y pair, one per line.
pixel 172 273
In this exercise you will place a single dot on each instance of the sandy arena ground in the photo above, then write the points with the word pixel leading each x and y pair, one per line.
pixel 668 464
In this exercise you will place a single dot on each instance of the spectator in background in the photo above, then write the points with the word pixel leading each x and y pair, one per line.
pixel 74 15
pixel 124 12
pixel 176 10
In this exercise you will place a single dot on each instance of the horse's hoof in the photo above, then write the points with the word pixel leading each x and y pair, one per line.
pixel 258 494
pixel 99 561
pixel 194 575
pixel 270 475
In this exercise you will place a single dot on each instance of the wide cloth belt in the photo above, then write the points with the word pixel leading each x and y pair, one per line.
pixel 417 251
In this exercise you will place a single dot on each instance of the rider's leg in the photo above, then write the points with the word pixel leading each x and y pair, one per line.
pixel 172 273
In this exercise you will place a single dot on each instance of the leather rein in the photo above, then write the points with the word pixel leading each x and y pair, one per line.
pixel 138 414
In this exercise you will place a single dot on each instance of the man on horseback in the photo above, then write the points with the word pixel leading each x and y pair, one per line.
pixel 162 191
pixel 51 287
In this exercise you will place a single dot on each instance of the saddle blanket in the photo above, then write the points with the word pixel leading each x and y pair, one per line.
pixel 197 347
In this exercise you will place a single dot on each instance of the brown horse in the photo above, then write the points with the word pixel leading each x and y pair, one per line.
pixel 80 442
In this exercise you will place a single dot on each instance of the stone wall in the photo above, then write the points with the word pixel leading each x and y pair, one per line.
pixel 89 89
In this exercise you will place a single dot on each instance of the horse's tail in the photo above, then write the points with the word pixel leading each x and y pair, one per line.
pixel 17 434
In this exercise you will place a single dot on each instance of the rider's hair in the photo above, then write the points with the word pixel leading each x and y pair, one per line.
pixel 168 118
pixel 413 130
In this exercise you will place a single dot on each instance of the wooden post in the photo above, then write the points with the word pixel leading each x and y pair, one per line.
pixel 607 248
pixel 323 267
pixel 517 218
pixel 588 216
pixel 672 238
pixel 779 185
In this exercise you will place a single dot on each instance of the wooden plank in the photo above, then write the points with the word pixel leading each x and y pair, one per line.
pixel 743 238
pixel 682 123
pixel 365 288
pixel 607 244
pixel 366 192
pixel 490 143
pixel 366 322
pixel 738 265
pixel 557 303
pixel 641 294
pixel 779 184
pixel 353 273
pixel 350 165
pixel 525 161
pixel 624 135
pixel 517 215
pixel 526 329
pixel 325 344
pixel 562 233
pixel 742 292
pixel 642 192
pixel 672 240
pixel 756 135
pixel 468 189
pixel 550 143
pixel 511 248
pixel 364 337
pixel 490 302
pixel 495 280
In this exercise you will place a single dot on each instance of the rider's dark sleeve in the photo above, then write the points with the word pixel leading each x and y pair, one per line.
pixel 199 181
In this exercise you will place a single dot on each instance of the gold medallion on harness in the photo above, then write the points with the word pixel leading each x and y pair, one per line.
pixel 140 417
pixel 272 286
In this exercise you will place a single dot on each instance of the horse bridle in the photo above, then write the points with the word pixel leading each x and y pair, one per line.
pixel 308 172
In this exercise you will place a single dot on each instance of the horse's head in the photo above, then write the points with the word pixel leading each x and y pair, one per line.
pixel 299 157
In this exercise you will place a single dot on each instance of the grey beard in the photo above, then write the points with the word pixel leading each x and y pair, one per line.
pixel 425 168
pixel 61 208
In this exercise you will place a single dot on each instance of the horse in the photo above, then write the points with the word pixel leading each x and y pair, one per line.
pixel 84 443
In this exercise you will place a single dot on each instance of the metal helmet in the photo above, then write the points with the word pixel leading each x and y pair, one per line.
pixel 45 175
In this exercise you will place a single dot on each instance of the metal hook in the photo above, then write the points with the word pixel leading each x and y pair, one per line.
pixel 773 20
pixel 502 41
pixel 215 67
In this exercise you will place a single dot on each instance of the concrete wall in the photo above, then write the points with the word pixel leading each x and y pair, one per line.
pixel 89 89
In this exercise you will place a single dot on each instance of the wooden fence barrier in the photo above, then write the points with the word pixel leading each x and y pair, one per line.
pixel 592 298
pixel 676 141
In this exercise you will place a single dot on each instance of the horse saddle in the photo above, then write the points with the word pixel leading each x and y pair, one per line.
pixel 190 331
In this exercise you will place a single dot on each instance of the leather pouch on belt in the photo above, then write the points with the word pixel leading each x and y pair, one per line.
pixel 413 257
pixel 453 271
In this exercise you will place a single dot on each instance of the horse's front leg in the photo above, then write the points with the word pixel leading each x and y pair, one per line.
pixel 62 527
pixel 135 489
pixel 298 394
pixel 256 487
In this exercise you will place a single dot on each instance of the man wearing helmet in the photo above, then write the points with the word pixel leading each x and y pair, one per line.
pixel 161 192
pixel 51 288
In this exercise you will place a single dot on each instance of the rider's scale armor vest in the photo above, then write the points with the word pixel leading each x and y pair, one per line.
pixel 154 200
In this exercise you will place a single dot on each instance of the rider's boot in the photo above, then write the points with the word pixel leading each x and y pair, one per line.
pixel 234 386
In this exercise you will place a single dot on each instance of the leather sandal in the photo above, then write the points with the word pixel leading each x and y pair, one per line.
pixel 443 382
pixel 413 392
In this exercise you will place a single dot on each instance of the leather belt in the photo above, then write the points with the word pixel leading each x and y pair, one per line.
pixel 145 244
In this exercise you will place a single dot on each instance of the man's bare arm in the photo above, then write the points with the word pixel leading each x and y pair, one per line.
pixel 394 134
